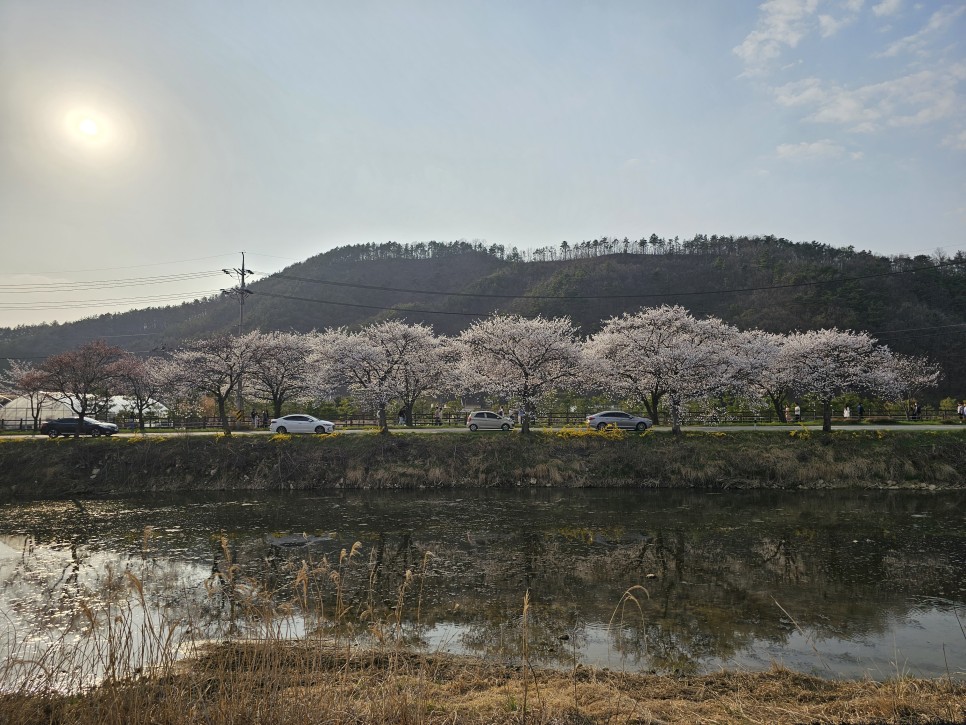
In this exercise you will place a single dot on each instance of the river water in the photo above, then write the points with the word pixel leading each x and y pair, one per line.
pixel 840 584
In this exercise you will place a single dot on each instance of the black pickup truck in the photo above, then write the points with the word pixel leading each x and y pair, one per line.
pixel 68 426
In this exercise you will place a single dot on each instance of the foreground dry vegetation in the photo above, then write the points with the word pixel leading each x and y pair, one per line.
pixel 301 683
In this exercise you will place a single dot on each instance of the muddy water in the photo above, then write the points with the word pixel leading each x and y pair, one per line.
pixel 835 583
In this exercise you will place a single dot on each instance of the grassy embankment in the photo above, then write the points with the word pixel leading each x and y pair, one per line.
pixel 772 459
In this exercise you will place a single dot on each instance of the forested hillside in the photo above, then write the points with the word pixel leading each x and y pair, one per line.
pixel 915 305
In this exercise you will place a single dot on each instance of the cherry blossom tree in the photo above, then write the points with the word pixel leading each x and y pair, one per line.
pixel 28 382
pixel 428 367
pixel 284 367
pixel 904 376
pixel 212 366
pixel 661 352
pixel 765 369
pixel 139 380
pixel 829 363
pixel 520 358
pixel 80 375
pixel 388 361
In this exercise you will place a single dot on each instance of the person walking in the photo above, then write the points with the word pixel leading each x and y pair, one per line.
pixel 798 413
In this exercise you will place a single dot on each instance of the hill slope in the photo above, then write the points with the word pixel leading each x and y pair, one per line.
pixel 769 283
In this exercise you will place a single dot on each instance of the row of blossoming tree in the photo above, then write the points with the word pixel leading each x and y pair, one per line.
pixel 660 357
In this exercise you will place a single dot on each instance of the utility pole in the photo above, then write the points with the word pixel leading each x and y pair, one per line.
pixel 241 292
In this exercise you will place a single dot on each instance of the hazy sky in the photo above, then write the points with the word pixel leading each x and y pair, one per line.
pixel 176 134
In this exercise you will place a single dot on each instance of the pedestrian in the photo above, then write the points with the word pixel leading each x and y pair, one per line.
pixel 500 411
pixel 788 414
pixel 847 413
pixel 254 417
pixel 438 415
pixel 859 410
pixel 265 418
pixel 798 413
pixel 402 416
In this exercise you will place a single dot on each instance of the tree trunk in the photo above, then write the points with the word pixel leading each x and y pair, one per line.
pixel 223 414
pixel 827 416
pixel 675 416
pixel 652 409
pixel 776 402
pixel 383 423
pixel 277 407
pixel 524 422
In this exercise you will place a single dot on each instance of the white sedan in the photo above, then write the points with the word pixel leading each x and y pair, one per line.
pixel 488 420
pixel 301 423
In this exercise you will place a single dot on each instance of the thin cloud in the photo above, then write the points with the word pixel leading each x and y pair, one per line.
pixel 812 150
pixel 918 42
pixel 829 25
pixel 781 24
pixel 886 8
pixel 916 99
pixel 956 140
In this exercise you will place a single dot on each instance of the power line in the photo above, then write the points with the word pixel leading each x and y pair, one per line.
pixel 371 307
pixel 132 266
pixel 48 287
pixel 110 302
pixel 484 295
pixel 918 329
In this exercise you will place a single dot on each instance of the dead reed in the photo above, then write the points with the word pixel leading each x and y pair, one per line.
pixel 326 640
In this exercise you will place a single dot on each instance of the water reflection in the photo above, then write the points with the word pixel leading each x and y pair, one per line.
pixel 838 583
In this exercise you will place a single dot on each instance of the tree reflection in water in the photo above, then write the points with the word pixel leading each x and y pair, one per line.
pixel 732 578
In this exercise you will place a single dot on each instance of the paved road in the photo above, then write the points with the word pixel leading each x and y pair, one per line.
pixel 659 429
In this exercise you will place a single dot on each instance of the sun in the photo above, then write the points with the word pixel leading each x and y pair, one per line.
pixel 87 127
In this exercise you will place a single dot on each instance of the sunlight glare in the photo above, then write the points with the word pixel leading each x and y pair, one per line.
pixel 88 126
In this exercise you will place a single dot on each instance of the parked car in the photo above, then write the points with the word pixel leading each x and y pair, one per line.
pixel 68 426
pixel 488 420
pixel 301 423
pixel 620 419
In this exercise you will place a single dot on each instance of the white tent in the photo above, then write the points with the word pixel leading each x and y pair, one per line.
pixel 122 404
pixel 19 409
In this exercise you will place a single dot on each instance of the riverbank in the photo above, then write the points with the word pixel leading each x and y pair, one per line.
pixel 288 683
pixel 761 459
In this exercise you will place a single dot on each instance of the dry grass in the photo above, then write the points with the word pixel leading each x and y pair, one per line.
pixel 151 670
pixel 315 683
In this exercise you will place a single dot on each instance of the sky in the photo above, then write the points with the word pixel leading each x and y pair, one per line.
pixel 144 145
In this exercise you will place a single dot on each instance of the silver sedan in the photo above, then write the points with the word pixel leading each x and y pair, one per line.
pixel 620 419
pixel 301 423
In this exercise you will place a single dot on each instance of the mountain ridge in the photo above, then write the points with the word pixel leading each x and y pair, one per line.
pixel 764 282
